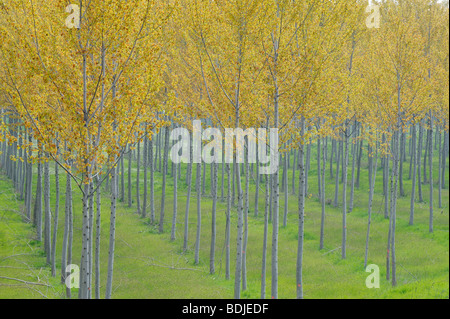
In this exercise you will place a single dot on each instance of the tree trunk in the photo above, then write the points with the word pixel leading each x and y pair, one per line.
pixel 430 163
pixel 402 156
pixel 37 221
pixel 228 225
pixel 29 183
pixel 199 212
pixel 286 193
pixel 344 198
pixel 301 215
pixel 322 198
pixel 257 178
pixel 164 173
pixel 152 182
pixel 360 153
pixel 414 174
pixel 48 213
pixel 438 132
pixel 55 221
pixel 214 182
pixel 265 238
pixel 239 240
pixel 112 233
pixel 336 188
pixel 175 202
pixel 83 292
pixel 246 209
pixel 130 194
pixel 65 243
pixel 122 179
pixel 352 186
pixel 419 162
pixel 371 193
pixel 145 164
pixel 97 239
pixel 138 169
pixel 188 200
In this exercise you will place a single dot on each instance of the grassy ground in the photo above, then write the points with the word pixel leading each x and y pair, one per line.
pixel 149 265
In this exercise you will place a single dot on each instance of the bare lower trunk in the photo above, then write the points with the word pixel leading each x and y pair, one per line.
pixel 228 225
pixel 48 213
pixel 344 200
pixel 55 220
pixel 371 193
pixel 188 200
pixel 164 173
pixel 239 240
pixel 199 212
pixel 97 240
pixel 430 163
pixel 419 163
pixel 301 215
pixel 112 235
pixel 414 175
pixel 322 198
pixel 214 181
pixel 336 188
pixel 266 231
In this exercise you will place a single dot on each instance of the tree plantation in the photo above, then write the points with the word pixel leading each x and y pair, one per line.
pixel 247 149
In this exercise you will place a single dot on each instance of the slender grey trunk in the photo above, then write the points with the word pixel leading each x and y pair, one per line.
pixel 246 209
pixel 294 169
pixel 138 170
pixel 65 243
pixel 402 155
pixel 419 163
pixel 239 241
pixel 286 193
pixel 175 202
pixel 344 199
pixel 228 225
pixel 438 132
pixel 112 234
pixel 360 153
pixel 444 156
pixel 352 187
pixel 164 173
pixel 333 151
pixel 386 186
pixel 414 174
pixel 97 240
pixel 199 212
pixel 37 221
pixel 145 159
pixel 84 269
pixel 188 200
pixel 265 238
pixel 130 160
pixel 48 213
pixel 322 197
pixel 430 151
pixel 257 179
pixel 29 183
pixel 371 193
pixel 336 188
pixel 152 183
pixel 55 221
pixel 122 179
pixel 301 216
pixel 214 182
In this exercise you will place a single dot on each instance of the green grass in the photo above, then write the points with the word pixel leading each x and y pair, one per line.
pixel 149 265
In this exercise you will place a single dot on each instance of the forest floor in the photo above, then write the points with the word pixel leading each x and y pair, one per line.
pixel 148 265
